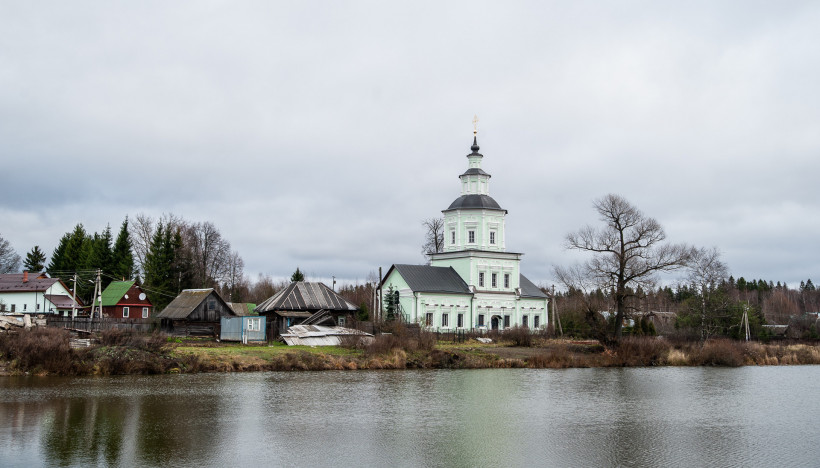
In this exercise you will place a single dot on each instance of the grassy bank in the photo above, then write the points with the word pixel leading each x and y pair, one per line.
pixel 46 351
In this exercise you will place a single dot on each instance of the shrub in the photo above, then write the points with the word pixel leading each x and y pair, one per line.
pixel 720 352
pixel 641 351
pixel 40 349
pixel 153 343
pixel 518 336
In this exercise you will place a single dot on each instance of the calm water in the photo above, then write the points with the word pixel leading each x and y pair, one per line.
pixel 751 416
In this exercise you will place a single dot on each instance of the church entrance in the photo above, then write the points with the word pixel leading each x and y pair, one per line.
pixel 495 322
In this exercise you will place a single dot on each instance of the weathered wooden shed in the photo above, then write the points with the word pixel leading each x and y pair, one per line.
pixel 195 312
pixel 305 302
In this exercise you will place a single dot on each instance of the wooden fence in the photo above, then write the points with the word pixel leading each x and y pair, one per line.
pixel 105 323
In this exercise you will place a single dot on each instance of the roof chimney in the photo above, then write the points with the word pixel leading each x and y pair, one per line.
pixel 25 277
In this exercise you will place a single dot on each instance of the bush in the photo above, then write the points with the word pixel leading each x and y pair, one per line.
pixel 153 343
pixel 39 349
pixel 518 336
pixel 641 351
pixel 719 352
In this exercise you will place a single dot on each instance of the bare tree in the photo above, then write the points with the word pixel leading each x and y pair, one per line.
pixel 706 272
pixel 9 259
pixel 209 254
pixel 628 251
pixel 235 276
pixel 433 237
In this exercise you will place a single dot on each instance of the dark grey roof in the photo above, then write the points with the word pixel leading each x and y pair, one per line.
pixel 34 282
pixel 301 295
pixel 475 171
pixel 185 303
pixel 475 201
pixel 528 289
pixel 427 278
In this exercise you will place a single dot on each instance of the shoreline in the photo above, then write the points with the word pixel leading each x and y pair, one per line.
pixel 48 352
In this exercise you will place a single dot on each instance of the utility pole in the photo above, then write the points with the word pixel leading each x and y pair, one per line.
pixel 556 320
pixel 97 298
pixel 745 320
pixel 74 299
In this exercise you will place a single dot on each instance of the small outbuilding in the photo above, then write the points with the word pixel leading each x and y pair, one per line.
pixel 305 302
pixel 195 312
pixel 243 328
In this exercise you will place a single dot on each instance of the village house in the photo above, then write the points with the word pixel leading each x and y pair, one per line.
pixel 473 283
pixel 125 300
pixel 305 303
pixel 195 312
pixel 36 293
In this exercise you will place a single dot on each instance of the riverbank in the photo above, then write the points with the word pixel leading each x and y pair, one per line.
pixel 48 352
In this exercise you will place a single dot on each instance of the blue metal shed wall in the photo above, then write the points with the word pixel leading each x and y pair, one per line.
pixel 232 329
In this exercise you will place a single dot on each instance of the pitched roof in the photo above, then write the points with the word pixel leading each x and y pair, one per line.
pixel 186 302
pixel 302 295
pixel 427 278
pixel 114 292
pixel 528 289
pixel 242 308
pixel 61 301
pixel 13 282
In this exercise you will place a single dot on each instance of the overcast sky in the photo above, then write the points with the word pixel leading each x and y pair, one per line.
pixel 321 134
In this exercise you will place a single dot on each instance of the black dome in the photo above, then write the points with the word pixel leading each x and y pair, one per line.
pixel 475 201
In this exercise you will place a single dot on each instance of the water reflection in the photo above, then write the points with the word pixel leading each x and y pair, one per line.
pixel 589 417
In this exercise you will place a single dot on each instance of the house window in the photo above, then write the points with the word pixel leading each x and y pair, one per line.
pixel 254 324
pixel 492 237
pixel 525 321
pixel 13 306
pixel 25 306
pixel 480 320
pixel 506 280
pixel 145 312
pixel 341 321
pixel 536 321
pixel 471 236
pixel 481 280
pixel 428 319
pixel 460 320
pixel 125 311
pixel 211 304
pixel 37 307
pixel 2 307
pixel 445 320
pixel 452 237
pixel 506 321
pixel 494 280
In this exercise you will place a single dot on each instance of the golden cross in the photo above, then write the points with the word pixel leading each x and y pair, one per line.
pixel 475 125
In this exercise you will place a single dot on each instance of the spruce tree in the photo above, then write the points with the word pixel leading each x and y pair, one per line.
pixel 297 276
pixel 58 256
pixel 35 260
pixel 122 261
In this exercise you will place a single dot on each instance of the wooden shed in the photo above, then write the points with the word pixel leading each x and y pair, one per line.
pixel 304 302
pixel 195 312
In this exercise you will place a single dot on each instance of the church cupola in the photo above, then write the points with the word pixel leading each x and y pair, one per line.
pixel 474 221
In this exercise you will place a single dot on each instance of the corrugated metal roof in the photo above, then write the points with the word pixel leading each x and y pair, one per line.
pixel 528 289
pixel 114 292
pixel 317 335
pixel 302 295
pixel 427 278
pixel 13 282
pixel 61 301
pixel 185 303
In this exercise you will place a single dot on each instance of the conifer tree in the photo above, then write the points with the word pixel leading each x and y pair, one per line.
pixel 122 261
pixel 58 256
pixel 35 260
pixel 297 276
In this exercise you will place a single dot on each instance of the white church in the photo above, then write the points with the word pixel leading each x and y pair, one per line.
pixel 474 283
